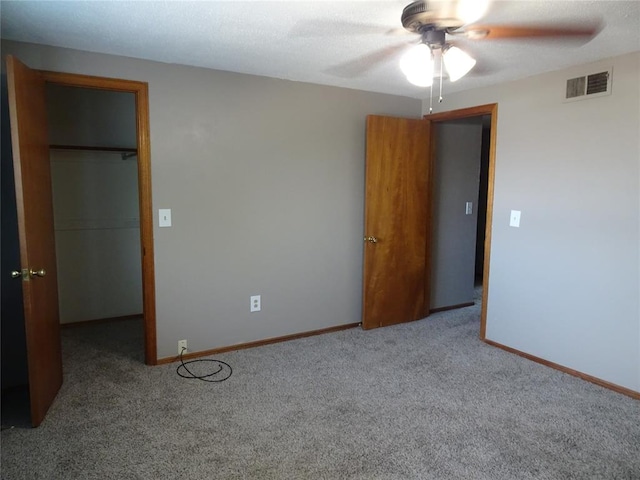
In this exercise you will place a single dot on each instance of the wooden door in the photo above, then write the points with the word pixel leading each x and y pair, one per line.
pixel 30 143
pixel 397 214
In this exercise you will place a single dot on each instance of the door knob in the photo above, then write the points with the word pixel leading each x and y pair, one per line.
pixel 37 273
pixel 371 239
pixel 26 274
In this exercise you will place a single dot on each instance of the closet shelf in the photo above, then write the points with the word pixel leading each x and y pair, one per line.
pixel 125 152
pixel 97 149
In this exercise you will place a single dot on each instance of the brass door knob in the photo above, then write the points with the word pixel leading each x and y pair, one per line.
pixel 37 273
pixel 16 274
pixel 371 239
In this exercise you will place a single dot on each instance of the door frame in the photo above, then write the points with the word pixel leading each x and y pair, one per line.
pixel 141 93
pixel 492 110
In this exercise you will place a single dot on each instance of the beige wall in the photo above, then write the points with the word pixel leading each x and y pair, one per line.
pixel 265 179
pixel 565 285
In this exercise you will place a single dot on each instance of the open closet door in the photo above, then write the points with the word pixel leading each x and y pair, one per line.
pixel 32 172
pixel 397 215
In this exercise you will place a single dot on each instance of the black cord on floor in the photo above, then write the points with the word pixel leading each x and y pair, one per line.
pixel 205 378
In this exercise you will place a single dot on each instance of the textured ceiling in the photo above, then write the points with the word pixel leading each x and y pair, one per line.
pixel 320 42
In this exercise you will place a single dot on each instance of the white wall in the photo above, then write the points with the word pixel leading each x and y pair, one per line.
pixel 265 178
pixel 565 285
pixel 97 231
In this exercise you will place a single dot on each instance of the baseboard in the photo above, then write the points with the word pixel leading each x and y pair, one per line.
pixel 589 378
pixel 83 323
pixel 451 307
pixel 257 343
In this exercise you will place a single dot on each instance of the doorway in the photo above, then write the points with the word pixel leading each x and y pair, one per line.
pixel 487 115
pixel 457 212
pixel 142 147
pixel 398 213
pixel 94 176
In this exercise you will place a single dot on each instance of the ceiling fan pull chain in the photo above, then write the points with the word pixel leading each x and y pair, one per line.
pixel 431 98
pixel 441 72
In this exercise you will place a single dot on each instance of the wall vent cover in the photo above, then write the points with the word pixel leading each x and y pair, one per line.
pixel 588 86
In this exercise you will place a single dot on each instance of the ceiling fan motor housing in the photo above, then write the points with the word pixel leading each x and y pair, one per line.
pixel 435 38
pixel 423 15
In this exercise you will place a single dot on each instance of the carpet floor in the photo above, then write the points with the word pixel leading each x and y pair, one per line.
pixel 425 400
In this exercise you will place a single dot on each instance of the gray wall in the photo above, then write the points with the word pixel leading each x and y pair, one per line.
pixel 89 117
pixel 456 181
pixel 95 204
pixel 265 179
pixel 565 285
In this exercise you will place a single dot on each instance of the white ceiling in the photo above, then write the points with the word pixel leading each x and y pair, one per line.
pixel 323 42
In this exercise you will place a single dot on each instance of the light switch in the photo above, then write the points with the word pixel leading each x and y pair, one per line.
pixel 164 219
pixel 514 220
pixel 469 208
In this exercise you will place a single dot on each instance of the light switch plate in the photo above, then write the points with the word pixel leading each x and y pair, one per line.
pixel 164 217
pixel 514 220
pixel 469 208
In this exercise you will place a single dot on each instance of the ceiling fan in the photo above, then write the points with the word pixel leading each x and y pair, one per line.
pixel 437 20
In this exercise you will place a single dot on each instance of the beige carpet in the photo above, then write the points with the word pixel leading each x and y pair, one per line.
pixel 425 400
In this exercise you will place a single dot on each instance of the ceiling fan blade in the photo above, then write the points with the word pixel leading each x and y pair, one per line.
pixel 398 32
pixel 363 64
pixel 493 32
pixel 331 28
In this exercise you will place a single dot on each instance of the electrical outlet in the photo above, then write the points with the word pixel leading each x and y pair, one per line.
pixel 182 344
pixel 255 303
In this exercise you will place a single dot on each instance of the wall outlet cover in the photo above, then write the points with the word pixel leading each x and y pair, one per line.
pixel 256 303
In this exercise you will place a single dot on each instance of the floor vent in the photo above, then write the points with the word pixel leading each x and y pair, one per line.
pixel 588 86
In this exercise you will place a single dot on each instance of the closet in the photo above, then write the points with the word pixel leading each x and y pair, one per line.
pixel 94 171
pixel 72 130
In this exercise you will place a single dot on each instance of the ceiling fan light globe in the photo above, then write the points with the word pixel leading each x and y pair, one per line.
pixel 417 62
pixel 470 11
pixel 457 63
pixel 420 80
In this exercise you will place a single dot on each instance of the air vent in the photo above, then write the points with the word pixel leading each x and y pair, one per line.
pixel 575 87
pixel 588 86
